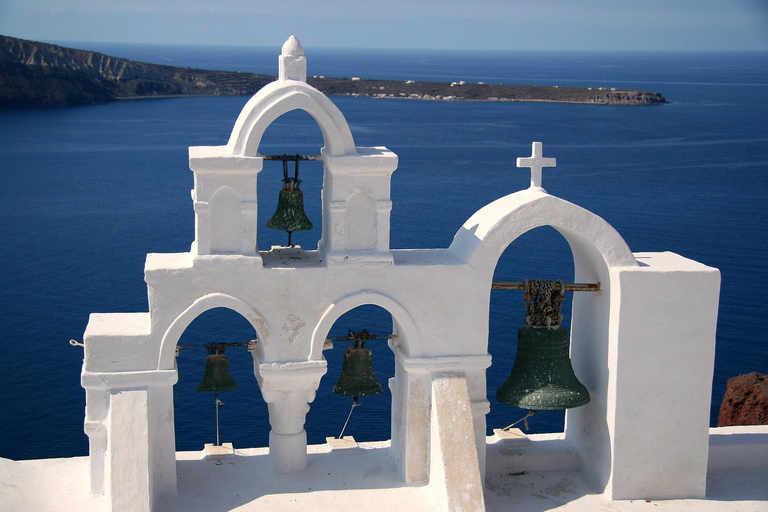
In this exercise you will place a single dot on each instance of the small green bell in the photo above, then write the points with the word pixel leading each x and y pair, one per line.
pixel 289 215
pixel 542 377
pixel 217 376
pixel 357 377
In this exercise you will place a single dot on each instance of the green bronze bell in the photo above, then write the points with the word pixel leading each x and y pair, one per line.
pixel 542 377
pixel 357 377
pixel 217 376
pixel 289 215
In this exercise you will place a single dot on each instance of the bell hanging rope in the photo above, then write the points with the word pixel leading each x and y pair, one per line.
pixel 542 377
pixel 289 215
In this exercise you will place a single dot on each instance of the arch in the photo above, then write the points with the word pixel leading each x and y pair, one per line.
pixel 198 307
pixel 226 221
pixel 276 99
pixel 483 238
pixel 403 323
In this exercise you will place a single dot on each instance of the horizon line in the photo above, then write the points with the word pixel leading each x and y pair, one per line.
pixel 64 42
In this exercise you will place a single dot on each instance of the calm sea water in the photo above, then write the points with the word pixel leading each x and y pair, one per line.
pixel 88 191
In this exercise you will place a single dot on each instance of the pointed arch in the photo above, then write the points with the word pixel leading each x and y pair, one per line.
pixel 198 307
pixel 276 99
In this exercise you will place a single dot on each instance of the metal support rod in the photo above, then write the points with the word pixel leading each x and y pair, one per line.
pixel 250 344
pixel 569 287
pixel 362 336
pixel 291 158
pixel 354 404
pixel 524 419
pixel 217 403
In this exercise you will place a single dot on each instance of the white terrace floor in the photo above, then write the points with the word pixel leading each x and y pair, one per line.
pixel 359 479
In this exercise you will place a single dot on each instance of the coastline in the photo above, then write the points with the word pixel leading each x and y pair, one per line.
pixel 486 100
pixel 44 75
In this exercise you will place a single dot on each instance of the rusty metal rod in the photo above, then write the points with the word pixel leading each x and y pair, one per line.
pixel 569 287
pixel 291 158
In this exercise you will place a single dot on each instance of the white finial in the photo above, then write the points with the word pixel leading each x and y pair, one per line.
pixel 293 47
pixel 536 162
pixel 292 64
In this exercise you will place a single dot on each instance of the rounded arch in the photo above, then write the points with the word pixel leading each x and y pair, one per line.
pixel 403 323
pixel 280 97
pixel 198 307
pixel 483 238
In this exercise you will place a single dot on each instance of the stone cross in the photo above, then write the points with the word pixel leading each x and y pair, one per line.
pixel 536 162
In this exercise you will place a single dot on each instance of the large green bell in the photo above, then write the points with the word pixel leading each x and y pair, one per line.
pixel 357 377
pixel 542 377
pixel 217 376
pixel 289 215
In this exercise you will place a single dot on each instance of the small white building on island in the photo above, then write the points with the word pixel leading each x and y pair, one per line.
pixel 643 345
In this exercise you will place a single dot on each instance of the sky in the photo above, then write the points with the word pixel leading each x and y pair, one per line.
pixel 588 25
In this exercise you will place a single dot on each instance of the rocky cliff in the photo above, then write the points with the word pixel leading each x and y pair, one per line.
pixel 745 401
pixel 36 74
pixel 40 74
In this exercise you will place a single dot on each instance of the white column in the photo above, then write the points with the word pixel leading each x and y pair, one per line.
pixel 250 213
pixel 288 439
pixel 288 388
pixel 202 226
pixel 96 409
pixel 97 452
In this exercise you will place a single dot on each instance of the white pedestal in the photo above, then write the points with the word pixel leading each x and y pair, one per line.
pixel 211 451
pixel 341 444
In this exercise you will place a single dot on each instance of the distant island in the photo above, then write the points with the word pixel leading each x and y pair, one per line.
pixel 34 74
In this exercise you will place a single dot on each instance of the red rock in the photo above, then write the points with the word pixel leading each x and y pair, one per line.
pixel 745 401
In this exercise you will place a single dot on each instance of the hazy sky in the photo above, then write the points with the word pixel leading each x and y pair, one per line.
pixel 483 24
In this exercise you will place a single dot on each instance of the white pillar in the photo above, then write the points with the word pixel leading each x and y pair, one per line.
pixel 97 453
pixel 162 445
pixel 96 409
pixel 137 470
pixel 288 388
pixel 411 404
pixel 410 422
pixel 663 322
pixel 129 486
pixel 455 471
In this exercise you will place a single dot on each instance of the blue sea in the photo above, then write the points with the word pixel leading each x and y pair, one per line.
pixel 88 191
